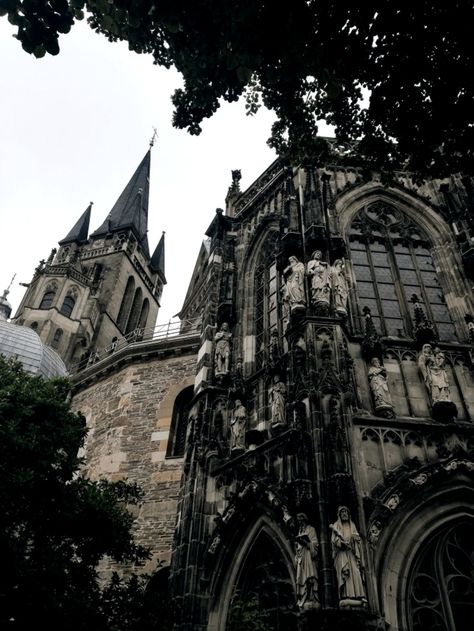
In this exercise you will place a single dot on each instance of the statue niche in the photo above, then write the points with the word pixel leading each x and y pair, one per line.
pixel 238 424
pixel 432 367
pixel 222 351
pixel 381 394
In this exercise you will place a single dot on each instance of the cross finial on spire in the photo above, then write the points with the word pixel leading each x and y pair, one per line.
pixel 153 138
pixel 7 290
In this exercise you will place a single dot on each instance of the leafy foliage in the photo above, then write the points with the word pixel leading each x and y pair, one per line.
pixel 56 525
pixel 307 60
pixel 246 614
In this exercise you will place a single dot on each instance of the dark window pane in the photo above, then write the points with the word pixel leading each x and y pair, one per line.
pixel 372 304
pixel 425 263
pixel 408 277
pixel 377 325
pixel 420 250
pixel 412 289
pixel 394 327
pixel 380 259
pixel 365 289
pixel 386 290
pixel 405 261
pixel 47 300
pixel 401 249
pixel 446 331
pixel 362 273
pixel 429 279
pixel 377 247
pixel 67 306
pixel 383 274
pixel 435 295
pixel 360 256
pixel 391 309
pixel 440 313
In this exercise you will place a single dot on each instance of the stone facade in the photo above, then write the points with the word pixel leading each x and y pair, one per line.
pixel 322 383
pixel 128 405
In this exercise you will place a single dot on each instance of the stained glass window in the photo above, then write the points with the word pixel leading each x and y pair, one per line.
pixel 392 261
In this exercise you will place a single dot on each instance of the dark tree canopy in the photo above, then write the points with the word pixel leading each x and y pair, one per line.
pixel 306 60
pixel 56 525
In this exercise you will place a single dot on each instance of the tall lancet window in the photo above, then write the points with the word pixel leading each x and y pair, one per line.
pixel 392 261
pixel 266 301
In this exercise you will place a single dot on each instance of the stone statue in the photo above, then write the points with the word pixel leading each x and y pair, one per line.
pixel 278 401
pixel 431 365
pixel 318 270
pixel 306 564
pixel 346 554
pixel 222 352
pixel 294 282
pixel 378 384
pixel 439 378
pixel 339 286
pixel 237 426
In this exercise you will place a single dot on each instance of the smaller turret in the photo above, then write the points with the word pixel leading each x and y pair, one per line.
pixel 5 306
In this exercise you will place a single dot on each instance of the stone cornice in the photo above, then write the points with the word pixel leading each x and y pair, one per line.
pixel 186 344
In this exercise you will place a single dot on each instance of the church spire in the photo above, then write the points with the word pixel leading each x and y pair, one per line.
pixel 131 209
pixel 5 306
pixel 157 263
pixel 80 230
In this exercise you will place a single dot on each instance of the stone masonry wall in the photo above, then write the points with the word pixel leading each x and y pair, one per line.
pixel 129 415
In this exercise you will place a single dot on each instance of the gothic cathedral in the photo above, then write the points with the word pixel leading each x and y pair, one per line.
pixel 305 441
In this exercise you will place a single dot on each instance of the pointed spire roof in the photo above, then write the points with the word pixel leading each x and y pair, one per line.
pixel 5 306
pixel 157 263
pixel 80 230
pixel 131 208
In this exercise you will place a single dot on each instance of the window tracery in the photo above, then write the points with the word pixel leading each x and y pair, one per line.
pixel 267 289
pixel 392 261
pixel 441 586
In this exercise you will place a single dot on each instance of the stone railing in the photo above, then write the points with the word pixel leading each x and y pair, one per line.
pixel 171 329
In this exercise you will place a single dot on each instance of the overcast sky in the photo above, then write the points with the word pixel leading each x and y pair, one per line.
pixel 73 129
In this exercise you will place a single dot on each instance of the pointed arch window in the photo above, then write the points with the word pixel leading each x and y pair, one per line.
pixel 263 589
pixel 392 260
pixel 144 314
pixel 132 323
pixel 57 338
pixel 47 299
pixel 267 316
pixel 441 586
pixel 68 306
pixel 126 303
pixel 179 423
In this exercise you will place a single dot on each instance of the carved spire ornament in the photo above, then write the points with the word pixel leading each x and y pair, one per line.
pixel 423 328
pixel 371 344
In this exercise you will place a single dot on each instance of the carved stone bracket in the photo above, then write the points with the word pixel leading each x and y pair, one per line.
pixel 408 486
